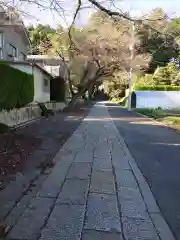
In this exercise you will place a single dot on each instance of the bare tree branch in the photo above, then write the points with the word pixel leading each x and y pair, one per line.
pixel 72 24
pixel 67 72
pixel 125 16
pixel 111 13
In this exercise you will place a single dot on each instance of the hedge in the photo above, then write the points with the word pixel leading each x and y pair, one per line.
pixel 157 88
pixel 16 87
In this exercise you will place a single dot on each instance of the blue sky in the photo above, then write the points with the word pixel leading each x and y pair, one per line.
pixel 135 7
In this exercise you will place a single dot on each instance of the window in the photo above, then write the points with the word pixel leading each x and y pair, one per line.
pixel 12 51
pixel 1 44
pixel 45 83
pixel 22 56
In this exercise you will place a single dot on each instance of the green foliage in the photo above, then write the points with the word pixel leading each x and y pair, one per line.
pixel 176 81
pixel 156 88
pixel 160 44
pixel 172 120
pixel 166 75
pixel 151 112
pixel 121 101
pixel 161 76
pixel 40 37
pixel 168 117
pixel 174 27
pixel 145 80
pixel 124 101
pixel 16 87
pixel 172 71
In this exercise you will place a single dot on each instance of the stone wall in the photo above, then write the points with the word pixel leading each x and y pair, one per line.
pixel 25 114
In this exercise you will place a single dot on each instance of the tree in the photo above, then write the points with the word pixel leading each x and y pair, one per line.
pixel 174 27
pixel 95 52
pixel 40 37
pixel 100 53
pixel 156 40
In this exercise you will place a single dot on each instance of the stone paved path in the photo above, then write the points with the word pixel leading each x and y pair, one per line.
pixel 95 192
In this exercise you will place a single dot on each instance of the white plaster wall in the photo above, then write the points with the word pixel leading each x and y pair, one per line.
pixel 23 67
pixel 155 99
pixel 41 93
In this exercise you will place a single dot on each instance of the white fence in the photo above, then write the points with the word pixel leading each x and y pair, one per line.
pixel 155 99
pixel 28 113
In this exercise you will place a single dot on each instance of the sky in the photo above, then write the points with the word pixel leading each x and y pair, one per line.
pixel 135 7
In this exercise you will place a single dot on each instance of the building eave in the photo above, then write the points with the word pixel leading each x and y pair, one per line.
pixel 28 63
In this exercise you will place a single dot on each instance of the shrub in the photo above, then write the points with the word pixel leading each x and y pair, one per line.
pixel 124 101
pixel 16 87
pixel 3 128
pixel 156 88
pixel 144 80
pixel 151 112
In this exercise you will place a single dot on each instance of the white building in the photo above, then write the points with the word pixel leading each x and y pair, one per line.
pixel 14 39
pixel 14 46
pixel 42 79
pixel 53 64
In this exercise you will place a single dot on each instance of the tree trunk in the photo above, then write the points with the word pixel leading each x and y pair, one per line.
pixel 90 91
pixel 74 99
pixel 87 87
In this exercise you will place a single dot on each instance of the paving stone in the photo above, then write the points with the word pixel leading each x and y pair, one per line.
pixel 53 183
pixel 98 235
pixel 12 193
pixel 102 182
pixel 131 208
pixel 119 159
pixel 74 191
pixel 125 178
pixel 102 213
pixel 102 151
pixel 31 221
pixel 65 222
pixel 138 229
pixel 132 204
pixel 162 227
pixel 80 170
pixel 102 164
pixel 121 165
pixel 84 156
pixel 24 202
pixel 130 194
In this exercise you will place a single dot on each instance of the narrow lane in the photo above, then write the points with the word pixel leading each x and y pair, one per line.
pixel 156 150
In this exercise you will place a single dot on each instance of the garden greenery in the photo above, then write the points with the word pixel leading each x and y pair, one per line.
pixel 16 87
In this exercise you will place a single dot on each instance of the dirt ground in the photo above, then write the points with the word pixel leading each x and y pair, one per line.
pixel 17 148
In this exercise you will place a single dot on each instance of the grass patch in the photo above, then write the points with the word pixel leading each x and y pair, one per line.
pixel 171 121
pixel 169 117
pixel 154 113
pixel 121 101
